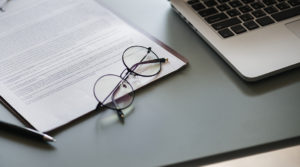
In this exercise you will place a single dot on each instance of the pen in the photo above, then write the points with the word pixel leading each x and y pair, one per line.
pixel 25 131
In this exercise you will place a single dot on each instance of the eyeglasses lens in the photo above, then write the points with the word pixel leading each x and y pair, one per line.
pixel 113 92
pixel 135 55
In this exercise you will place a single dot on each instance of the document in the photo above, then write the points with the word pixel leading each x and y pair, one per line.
pixel 52 53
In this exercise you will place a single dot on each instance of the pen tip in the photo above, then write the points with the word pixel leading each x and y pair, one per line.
pixel 49 138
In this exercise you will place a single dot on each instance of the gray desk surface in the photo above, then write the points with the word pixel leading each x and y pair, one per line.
pixel 203 110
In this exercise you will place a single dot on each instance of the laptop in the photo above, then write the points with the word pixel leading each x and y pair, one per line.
pixel 257 38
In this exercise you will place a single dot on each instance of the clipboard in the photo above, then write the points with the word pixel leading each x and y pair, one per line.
pixel 35 123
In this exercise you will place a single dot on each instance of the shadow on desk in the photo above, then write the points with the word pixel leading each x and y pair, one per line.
pixel 249 88
pixel 240 153
pixel 268 84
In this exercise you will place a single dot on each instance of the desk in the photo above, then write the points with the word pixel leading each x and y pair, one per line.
pixel 202 110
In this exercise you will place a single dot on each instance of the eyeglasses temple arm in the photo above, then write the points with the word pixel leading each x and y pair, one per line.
pixel 160 60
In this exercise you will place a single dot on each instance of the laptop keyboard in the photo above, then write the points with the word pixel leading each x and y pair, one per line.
pixel 233 17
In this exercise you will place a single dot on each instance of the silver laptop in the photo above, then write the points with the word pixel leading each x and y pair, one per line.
pixel 256 38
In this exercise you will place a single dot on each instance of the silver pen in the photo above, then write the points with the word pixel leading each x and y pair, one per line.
pixel 31 133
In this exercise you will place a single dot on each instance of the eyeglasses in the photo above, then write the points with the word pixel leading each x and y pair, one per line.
pixel 115 91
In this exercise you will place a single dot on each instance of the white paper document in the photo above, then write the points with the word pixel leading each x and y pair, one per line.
pixel 52 52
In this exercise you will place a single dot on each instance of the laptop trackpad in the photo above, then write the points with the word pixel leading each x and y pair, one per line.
pixel 294 27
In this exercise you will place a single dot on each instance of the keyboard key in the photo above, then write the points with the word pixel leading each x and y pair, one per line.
pixel 233 12
pixel 192 1
pixel 198 6
pixel 210 3
pixel 282 6
pixel 207 12
pixel 269 2
pixel 246 17
pixel 251 25
pixel 245 9
pixel 248 1
pixel 226 33
pixel 223 7
pixel 286 14
pixel 294 2
pixel 257 5
pixel 222 1
pixel 216 18
pixel 264 21
pixel 235 4
pixel 238 29
pixel 271 9
pixel 258 13
pixel 226 23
